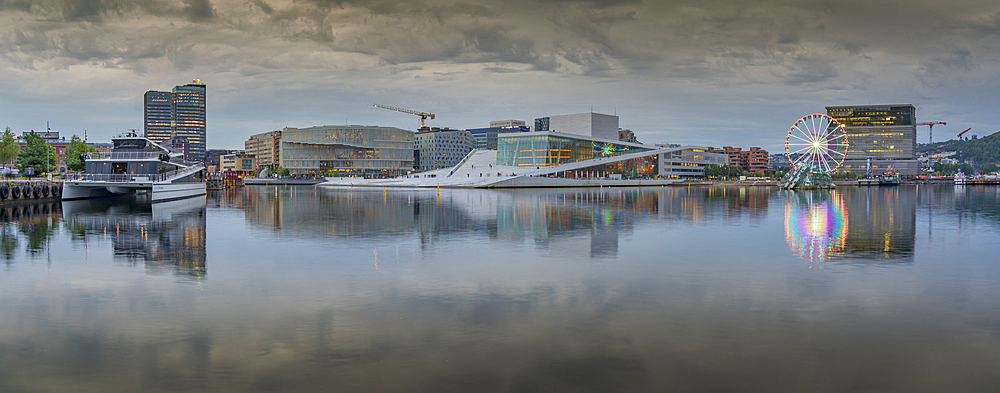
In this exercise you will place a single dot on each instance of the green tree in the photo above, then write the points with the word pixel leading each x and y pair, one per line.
pixel 8 147
pixel 726 171
pixel 75 148
pixel 34 154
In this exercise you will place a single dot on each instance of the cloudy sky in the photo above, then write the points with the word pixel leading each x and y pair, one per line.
pixel 709 72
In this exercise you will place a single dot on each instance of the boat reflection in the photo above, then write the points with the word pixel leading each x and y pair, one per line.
pixel 815 224
pixel 164 237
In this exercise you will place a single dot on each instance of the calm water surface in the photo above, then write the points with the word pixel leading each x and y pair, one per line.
pixel 650 289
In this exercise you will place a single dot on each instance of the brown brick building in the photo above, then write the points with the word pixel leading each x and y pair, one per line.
pixel 755 160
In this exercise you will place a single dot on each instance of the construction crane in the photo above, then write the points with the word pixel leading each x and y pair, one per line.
pixel 423 115
pixel 931 124
pixel 960 160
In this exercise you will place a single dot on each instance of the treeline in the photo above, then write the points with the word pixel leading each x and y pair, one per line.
pixel 979 150
pixel 37 155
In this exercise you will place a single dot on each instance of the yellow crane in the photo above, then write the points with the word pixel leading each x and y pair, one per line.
pixel 423 115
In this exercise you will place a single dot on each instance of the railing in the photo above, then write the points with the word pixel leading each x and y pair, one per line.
pixel 132 178
pixel 142 155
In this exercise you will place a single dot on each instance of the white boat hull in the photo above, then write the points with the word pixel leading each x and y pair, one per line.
pixel 159 192
pixel 175 191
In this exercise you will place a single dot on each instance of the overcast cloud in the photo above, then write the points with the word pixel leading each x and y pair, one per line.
pixel 712 72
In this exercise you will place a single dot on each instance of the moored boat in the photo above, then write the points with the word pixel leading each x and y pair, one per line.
pixel 134 165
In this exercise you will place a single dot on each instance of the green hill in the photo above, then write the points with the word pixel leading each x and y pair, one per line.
pixel 980 150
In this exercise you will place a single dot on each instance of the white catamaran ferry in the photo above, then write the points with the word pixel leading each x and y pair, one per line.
pixel 136 164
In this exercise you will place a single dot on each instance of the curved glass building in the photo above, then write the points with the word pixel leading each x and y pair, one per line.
pixel 348 150
pixel 552 148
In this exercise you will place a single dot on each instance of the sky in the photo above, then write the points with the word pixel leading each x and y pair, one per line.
pixel 705 72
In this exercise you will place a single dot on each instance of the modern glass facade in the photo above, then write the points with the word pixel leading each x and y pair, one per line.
pixel 882 132
pixel 486 138
pixel 188 117
pixel 347 150
pixel 543 149
pixel 645 167
pixel 156 116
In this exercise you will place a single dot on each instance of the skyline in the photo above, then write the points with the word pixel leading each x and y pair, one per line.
pixel 700 73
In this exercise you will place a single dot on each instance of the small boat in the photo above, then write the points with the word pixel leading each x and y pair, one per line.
pixel 888 178
pixel 136 165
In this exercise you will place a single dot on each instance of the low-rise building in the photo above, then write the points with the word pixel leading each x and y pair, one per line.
pixel 755 160
pixel 441 148
pixel 689 162
pixel 626 135
pixel 213 163
pixel 53 139
pixel 266 148
pixel 240 162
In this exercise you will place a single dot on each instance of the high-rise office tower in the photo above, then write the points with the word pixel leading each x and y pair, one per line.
pixel 177 115
pixel 156 116
pixel 188 116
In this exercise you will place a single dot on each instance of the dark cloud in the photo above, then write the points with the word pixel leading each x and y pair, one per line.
pixel 16 5
pixel 199 10
pixel 263 6
pixel 937 70
pixel 853 48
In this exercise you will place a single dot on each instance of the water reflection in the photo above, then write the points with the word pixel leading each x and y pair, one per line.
pixel 693 292
pixel 883 224
pixel 31 224
pixel 579 221
pixel 165 236
pixel 867 224
pixel 815 224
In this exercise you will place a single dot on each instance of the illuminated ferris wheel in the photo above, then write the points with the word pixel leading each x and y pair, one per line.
pixel 819 140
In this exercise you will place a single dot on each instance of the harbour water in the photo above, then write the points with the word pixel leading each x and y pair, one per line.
pixel 748 289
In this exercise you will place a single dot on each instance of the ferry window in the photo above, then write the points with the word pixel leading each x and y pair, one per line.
pixel 130 144
pixel 119 168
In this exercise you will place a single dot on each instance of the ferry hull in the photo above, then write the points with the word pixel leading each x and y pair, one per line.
pixel 175 191
pixel 158 192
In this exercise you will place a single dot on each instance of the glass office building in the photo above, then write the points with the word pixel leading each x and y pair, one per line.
pixel 179 114
pixel 188 117
pixel 885 133
pixel 548 148
pixel 156 116
pixel 347 150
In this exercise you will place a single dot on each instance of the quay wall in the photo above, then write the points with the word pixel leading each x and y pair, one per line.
pixel 17 192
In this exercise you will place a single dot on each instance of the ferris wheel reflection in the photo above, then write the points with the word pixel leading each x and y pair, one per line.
pixel 816 225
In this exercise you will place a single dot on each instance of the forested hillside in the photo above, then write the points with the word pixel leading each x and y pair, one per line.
pixel 980 150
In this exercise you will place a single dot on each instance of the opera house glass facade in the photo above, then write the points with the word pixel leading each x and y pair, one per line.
pixel 547 148
pixel 347 150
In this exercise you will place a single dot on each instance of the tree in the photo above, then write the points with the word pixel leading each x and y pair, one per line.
pixel 75 148
pixel 724 171
pixel 34 154
pixel 8 147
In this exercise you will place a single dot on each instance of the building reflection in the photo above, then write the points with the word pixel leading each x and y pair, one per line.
pixel 882 225
pixel 853 224
pixel 561 219
pixel 164 237
pixel 697 204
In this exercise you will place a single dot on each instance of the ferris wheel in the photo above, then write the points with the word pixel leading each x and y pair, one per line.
pixel 819 140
